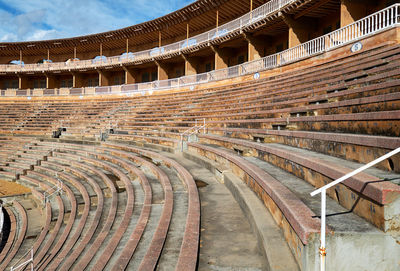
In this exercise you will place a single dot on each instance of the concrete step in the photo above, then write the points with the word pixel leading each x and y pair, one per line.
pixel 227 239
pixel 348 230
pixel 155 214
pixel 369 189
pixel 172 245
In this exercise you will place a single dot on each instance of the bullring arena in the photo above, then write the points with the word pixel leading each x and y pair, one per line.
pixel 215 137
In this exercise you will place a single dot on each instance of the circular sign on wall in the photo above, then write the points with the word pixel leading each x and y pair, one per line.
pixel 356 47
pixel 256 75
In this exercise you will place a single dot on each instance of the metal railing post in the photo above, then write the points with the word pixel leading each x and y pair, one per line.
pixel 322 249
pixel 322 190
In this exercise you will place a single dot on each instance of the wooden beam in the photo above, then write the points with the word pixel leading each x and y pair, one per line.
pixel 217 19
pixel 307 10
pixel 187 32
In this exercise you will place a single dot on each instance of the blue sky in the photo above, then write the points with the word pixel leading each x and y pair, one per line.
pixel 23 20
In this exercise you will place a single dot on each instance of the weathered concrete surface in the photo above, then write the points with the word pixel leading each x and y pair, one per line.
pixel 270 239
pixel 227 241
pixel 354 244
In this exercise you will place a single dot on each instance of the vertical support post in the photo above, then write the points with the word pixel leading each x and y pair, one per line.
pixel 217 21
pixel 74 52
pixel 187 35
pixel 204 125
pixel 159 38
pixel 20 57
pixel 251 9
pixel 48 54
pixel 322 249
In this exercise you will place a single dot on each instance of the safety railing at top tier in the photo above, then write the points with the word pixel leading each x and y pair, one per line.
pixel 221 31
pixel 370 25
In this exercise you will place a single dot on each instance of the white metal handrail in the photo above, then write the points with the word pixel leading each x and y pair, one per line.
pixel 51 191
pixel 322 190
pixel 195 129
pixel 24 264
pixel 370 25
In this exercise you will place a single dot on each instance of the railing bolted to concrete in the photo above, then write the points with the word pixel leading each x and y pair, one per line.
pixel 192 130
pixel 322 190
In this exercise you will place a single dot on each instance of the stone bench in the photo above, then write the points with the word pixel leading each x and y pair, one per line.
pixel 377 196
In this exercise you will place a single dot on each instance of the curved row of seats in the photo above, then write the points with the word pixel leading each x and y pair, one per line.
pixel 101 214
pixel 330 77
pixel 283 136
pixel 317 129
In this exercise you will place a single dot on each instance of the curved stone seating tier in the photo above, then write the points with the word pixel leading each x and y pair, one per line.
pixel 48 217
pixel 241 92
pixel 99 207
pixel 70 158
pixel 377 61
pixel 189 248
pixel 129 249
pixel 92 226
pixel 127 213
pixel 44 246
pixel 259 101
pixel 286 105
pixel 283 136
pixel 11 236
pixel 376 194
pixel 150 259
pixel 41 183
pixel 21 219
pixel 332 143
pixel 160 235
pixel 66 247
pixel 65 232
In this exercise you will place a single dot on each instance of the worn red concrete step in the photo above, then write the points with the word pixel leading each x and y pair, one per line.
pixel 299 216
pixel 22 229
pixel 187 259
pixel 12 235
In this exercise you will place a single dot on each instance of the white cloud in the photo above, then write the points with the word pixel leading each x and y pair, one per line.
pixel 43 35
pixel 50 19
pixel 9 37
